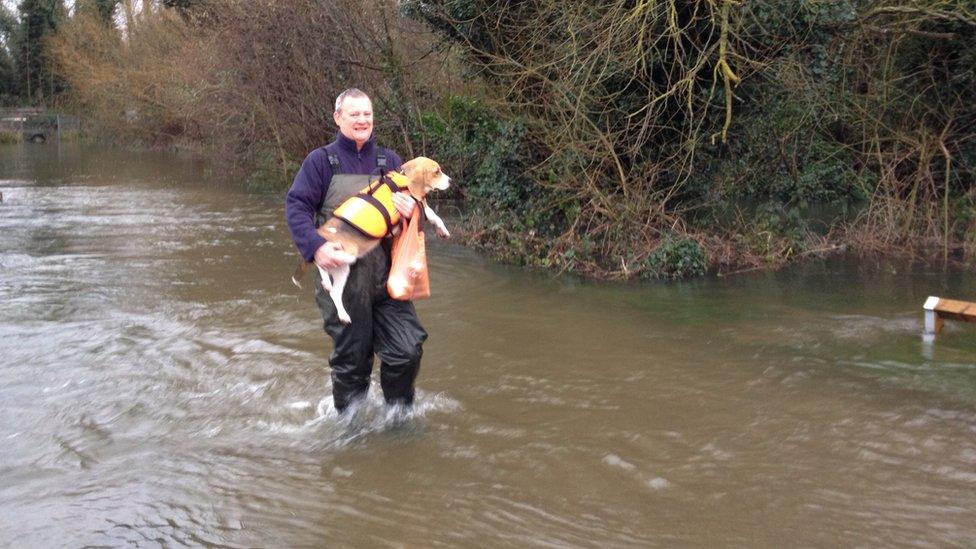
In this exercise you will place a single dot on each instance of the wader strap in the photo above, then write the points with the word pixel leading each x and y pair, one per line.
pixel 380 169
pixel 321 216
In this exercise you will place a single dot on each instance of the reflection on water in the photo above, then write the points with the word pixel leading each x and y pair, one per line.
pixel 162 382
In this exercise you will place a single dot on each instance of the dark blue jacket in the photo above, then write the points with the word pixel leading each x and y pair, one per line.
pixel 307 192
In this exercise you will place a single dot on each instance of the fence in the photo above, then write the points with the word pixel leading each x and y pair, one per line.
pixel 38 125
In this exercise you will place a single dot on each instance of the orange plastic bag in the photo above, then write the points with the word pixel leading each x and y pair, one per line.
pixel 409 279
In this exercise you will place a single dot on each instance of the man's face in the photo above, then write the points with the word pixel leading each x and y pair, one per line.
pixel 355 119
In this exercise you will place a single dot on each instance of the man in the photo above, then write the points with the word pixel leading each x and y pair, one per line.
pixel 381 325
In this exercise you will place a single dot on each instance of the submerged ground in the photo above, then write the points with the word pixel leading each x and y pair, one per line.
pixel 161 381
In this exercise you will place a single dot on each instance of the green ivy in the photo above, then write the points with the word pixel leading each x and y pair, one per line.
pixel 676 257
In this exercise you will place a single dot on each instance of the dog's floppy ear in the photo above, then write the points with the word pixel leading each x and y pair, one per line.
pixel 431 174
pixel 438 179
pixel 418 184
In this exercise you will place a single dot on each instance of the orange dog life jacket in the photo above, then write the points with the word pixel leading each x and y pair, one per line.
pixel 371 210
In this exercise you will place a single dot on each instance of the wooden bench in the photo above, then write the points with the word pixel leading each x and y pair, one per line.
pixel 938 309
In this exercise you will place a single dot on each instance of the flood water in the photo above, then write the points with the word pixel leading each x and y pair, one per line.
pixel 163 384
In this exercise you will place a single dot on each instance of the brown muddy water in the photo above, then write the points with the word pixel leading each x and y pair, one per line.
pixel 163 384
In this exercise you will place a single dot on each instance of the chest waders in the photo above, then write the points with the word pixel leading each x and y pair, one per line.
pixel 381 325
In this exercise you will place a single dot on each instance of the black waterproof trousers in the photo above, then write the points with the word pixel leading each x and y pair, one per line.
pixel 380 325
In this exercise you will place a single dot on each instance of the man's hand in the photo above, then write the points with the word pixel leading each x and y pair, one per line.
pixel 404 203
pixel 330 255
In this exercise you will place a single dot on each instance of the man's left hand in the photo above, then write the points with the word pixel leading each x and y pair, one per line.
pixel 404 203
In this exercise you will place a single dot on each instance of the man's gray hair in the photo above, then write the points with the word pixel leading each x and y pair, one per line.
pixel 351 92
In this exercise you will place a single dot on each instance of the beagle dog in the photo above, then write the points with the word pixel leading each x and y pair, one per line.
pixel 360 222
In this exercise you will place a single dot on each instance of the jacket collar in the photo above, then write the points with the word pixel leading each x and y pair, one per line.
pixel 348 145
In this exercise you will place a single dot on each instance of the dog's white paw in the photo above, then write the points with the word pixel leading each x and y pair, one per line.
pixel 344 318
pixel 441 232
pixel 344 257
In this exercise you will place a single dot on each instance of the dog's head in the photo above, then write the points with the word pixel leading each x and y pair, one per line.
pixel 425 175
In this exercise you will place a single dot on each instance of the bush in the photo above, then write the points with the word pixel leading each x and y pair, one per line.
pixel 481 148
pixel 676 257
pixel 642 118
pixel 8 137
pixel 253 80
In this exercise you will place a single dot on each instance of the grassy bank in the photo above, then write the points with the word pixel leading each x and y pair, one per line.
pixel 666 139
